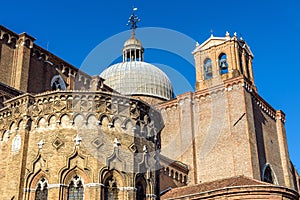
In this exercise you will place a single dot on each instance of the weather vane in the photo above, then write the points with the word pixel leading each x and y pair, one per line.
pixel 133 20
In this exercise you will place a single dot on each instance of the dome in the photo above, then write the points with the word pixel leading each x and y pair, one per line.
pixel 133 41
pixel 138 78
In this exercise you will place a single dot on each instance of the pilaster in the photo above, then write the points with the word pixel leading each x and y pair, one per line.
pixel 21 62
pixel 280 120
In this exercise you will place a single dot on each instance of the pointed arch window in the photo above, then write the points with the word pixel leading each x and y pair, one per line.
pixel 207 69
pixel 75 190
pixel 57 83
pixel 269 175
pixel 223 64
pixel 247 67
pixel 241 63
pixel 141 188
pixel 110 189
pixel 41 192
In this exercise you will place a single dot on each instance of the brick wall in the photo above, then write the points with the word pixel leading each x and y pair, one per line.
pixel 6 62
pixel 223 132
pixel 40 76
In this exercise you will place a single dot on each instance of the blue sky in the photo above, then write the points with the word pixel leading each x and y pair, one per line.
pixel 72 29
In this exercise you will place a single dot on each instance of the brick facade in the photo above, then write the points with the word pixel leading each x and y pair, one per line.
pixel 60 126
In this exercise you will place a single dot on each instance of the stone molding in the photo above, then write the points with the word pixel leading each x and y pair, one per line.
pixel 228 86
pixel 114 107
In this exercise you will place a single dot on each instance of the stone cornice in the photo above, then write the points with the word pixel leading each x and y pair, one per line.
pixel 56 61
pixel 102 105
pixel 40 53
pixel 6 30
pixel 165 161
pixel 227 85
pixel 64 95
pixel 9 91
pixel 221 41
pixel 167 104
pixel 174 102
pixel 266 107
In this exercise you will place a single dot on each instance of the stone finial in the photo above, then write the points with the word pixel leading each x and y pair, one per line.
pixel 116 142
pixel 197 44
pixel 40 144
pixel 211 33
pixel 227 34
pixel 77 140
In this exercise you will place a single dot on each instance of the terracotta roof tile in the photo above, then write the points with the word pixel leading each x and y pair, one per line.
pixel 213 185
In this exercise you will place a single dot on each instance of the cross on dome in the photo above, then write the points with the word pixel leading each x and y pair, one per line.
pixel 133 49
pixel 133 20
pixel 140 78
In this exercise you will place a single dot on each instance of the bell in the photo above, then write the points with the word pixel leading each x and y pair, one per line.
pixel 223 66
pixel 209 74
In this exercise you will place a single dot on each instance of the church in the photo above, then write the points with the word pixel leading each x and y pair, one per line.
pixel 67 135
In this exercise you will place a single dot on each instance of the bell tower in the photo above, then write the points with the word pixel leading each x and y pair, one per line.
pixel 222 58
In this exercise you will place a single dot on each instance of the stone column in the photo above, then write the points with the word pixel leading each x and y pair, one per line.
pixel 232 63
pixel 251 70
pixel 244 64
pixel 237 56
pixel 215 64
pixel 71 81
pixel 140 55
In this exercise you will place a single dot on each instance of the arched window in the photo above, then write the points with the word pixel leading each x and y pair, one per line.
pixel 207 69
pixel 223 63
pixel 269 175
pixel 41 192
pixel 140 188
pixel 75 190
pixel 110 189
pixel 241 63
pixel 247 67
pixel 57 83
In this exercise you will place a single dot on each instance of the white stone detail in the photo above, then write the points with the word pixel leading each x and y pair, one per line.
pixel 16 143
pixel 77 140
pixel 57 185
pixel 116 142
pixel 94 185
pixel 40 144
pixel 127 188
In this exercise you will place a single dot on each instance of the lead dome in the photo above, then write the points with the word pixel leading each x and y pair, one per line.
pixel 134 77
pixel 138 78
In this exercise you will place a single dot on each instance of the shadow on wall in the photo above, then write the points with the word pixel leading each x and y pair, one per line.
pixel 1 102
pixel 259 121
pixel 294 176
